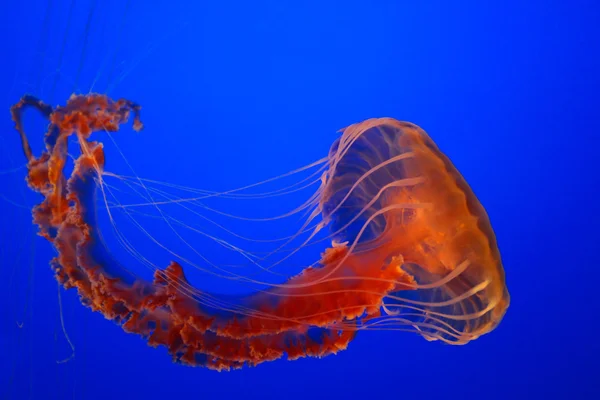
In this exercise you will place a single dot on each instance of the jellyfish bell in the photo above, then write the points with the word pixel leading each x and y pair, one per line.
pixel 392 192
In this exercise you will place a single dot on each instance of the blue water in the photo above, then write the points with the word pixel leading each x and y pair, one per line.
pixel 237 92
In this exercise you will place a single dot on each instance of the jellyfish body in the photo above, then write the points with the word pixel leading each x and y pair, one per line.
pixel 413 250
pixel 421 211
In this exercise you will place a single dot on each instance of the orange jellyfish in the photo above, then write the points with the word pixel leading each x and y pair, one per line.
pixel 412 249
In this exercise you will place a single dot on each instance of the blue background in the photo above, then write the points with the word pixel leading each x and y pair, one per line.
pixel 236 92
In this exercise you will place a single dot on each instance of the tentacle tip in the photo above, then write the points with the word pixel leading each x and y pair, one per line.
pixel 138 125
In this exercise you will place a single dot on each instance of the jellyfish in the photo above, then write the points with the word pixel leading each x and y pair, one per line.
pixel 412 249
